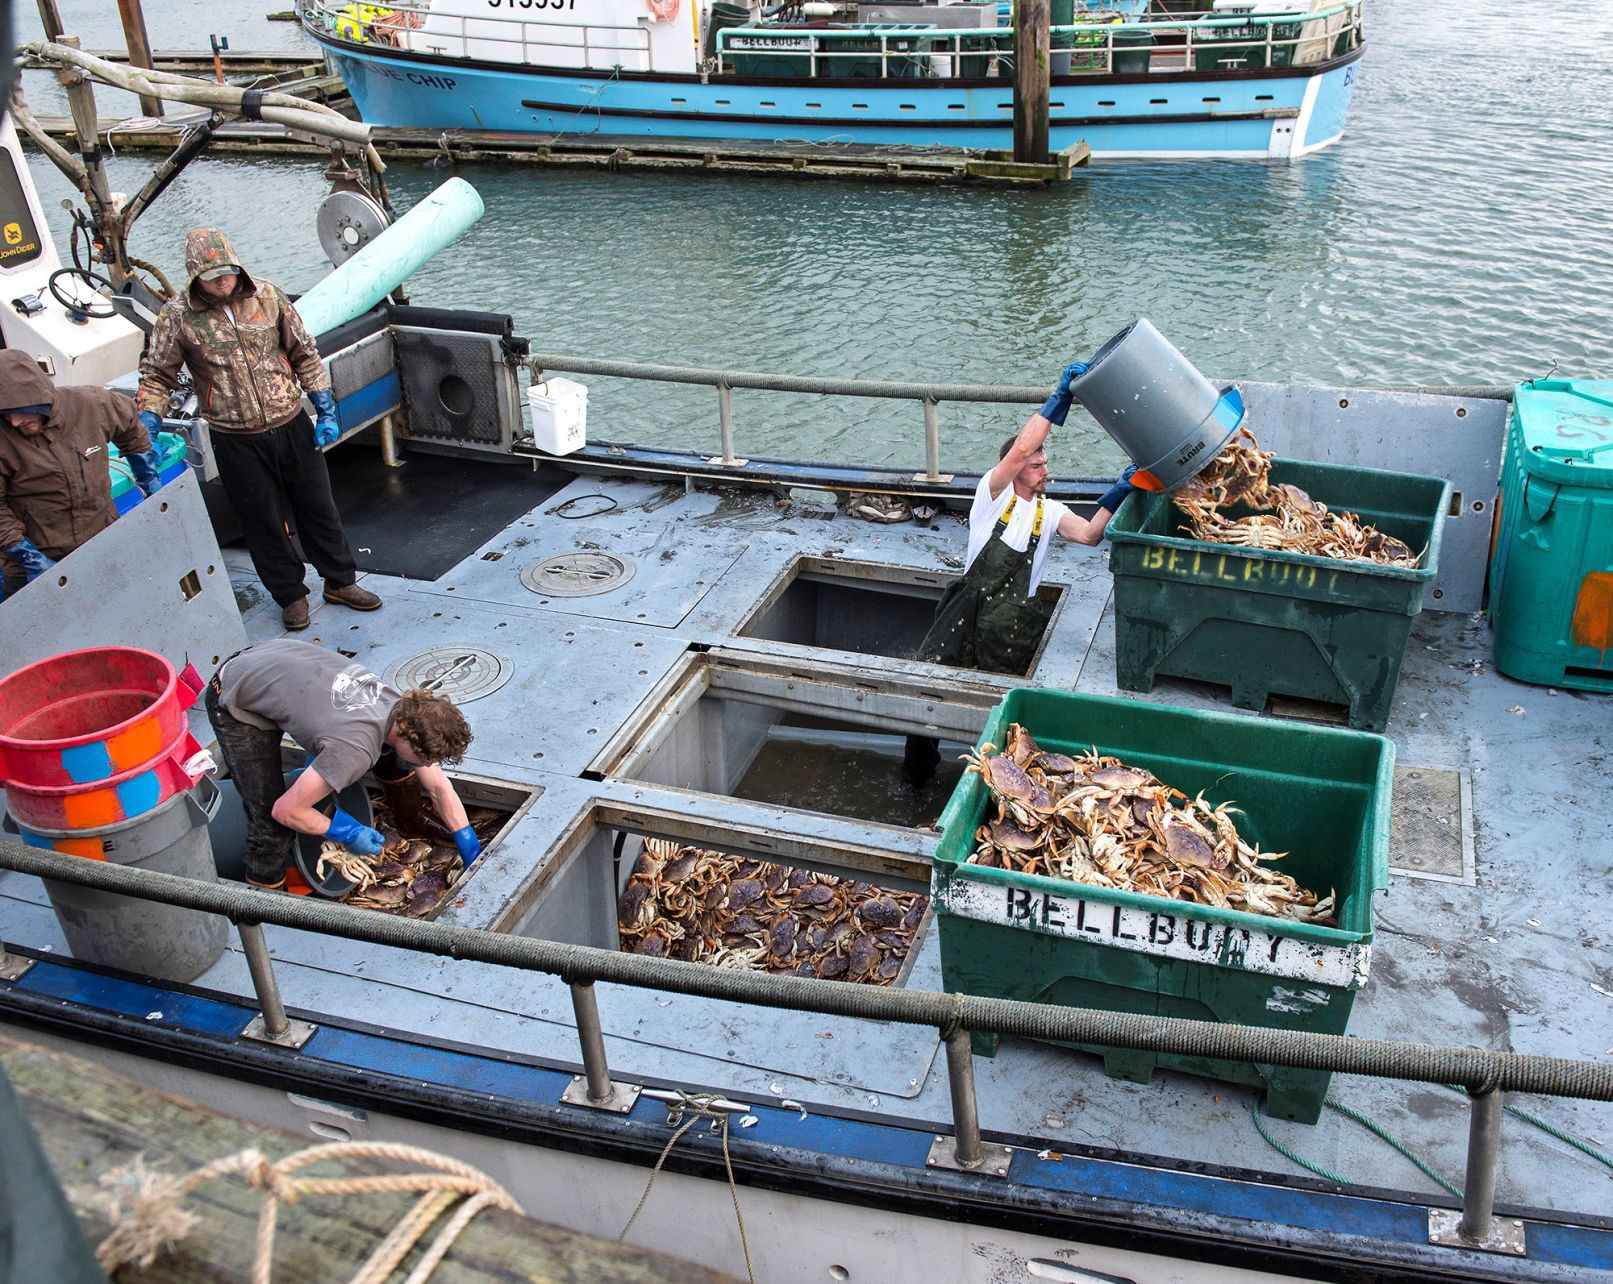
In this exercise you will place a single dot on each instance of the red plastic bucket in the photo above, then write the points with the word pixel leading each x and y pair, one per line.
pixel 90 715
pixel 105 802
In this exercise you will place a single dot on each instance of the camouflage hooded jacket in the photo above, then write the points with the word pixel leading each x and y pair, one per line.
pixel 246 353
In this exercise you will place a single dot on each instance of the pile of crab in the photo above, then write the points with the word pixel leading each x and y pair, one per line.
pixel 1096 820
pixel 1286 517
pixel 701 906
pixel 413 871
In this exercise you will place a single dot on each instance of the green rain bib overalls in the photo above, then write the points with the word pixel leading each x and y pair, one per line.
pixel 986 620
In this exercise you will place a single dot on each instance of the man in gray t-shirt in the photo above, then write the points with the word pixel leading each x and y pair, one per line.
pixel 350 722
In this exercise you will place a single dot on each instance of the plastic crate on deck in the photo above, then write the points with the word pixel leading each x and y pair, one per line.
pixel 1262 621
pixel 1319 793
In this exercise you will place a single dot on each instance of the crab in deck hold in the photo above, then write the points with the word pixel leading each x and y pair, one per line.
pixel 701 906
pixel 1112 824
pixel 414 871
pixel 1285 517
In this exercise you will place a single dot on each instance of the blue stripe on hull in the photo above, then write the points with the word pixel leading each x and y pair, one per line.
pixel 1163 118
pixel 1331 107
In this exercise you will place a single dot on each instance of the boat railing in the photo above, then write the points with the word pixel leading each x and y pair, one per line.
pixel 928 395
pixel 1485 1075
pixel 500 37
pixel 914 51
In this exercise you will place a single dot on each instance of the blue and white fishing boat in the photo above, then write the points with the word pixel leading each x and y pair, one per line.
pixel 1131 78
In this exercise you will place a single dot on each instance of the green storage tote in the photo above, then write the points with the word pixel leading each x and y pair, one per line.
pixel 1320 793
pixel 1551 576
pixel 1261 621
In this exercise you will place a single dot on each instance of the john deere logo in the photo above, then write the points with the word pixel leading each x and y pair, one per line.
pixel 13 232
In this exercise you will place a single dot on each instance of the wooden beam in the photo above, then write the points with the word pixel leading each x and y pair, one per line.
pixel 1032 39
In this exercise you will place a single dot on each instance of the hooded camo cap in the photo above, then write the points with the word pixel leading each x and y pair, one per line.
pixel 208 252
pixel 23 385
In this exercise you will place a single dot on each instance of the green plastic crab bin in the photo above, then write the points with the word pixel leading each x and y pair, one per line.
pixel 1551 578
pixel 1319 793
pixel 1261 621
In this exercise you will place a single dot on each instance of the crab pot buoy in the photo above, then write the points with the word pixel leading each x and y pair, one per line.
pixel 1157 407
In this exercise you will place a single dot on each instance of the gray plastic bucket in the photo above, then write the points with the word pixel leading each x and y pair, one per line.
pixel 229 836
pixel 146 938
pixel 1166 416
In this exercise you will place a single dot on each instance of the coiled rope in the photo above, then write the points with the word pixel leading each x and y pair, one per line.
pixel 147 1217
pixel 697 1106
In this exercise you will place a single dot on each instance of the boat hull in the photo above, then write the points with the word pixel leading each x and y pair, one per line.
pixel 1274 114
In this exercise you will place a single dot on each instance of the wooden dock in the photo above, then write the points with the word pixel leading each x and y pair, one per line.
pixel 596 151
pixel 90 1121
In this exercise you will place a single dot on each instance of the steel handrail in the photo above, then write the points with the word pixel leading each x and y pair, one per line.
pixel 1476 1069
pixel 1486 1075
pixel 929 395
pixel 314 14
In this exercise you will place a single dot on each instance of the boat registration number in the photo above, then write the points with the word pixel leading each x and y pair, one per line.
pixel 531 4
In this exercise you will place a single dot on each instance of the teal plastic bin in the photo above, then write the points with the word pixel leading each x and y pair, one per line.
pixel 1319 793
pixel 1263 622
pixel 172 450
pixel 1551 577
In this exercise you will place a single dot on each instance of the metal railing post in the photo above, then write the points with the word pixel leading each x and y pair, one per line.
pixel 593 1088
pixel 725 408
pixel 964 1150
pixel 592 1039
pixel 1476 1226
pixel 271 1025
pixel 1483 1147
pixel 932 440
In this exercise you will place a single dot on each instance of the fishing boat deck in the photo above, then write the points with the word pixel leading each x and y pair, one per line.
pixel 1509 952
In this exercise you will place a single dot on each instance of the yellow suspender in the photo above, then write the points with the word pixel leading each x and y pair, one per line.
pixel 1036 517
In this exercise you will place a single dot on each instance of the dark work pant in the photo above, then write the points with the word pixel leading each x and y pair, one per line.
pixel 270 475
pixel 252 756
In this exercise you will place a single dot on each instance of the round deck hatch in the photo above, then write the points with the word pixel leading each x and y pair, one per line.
pixel 578 574
pixel 461 673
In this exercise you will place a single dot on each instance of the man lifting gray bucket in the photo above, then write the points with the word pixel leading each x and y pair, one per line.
pixel 1159 409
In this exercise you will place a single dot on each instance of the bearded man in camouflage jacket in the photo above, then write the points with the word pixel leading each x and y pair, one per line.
pixel 248 351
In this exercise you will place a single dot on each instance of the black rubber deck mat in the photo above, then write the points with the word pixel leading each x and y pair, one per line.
pixel 419 519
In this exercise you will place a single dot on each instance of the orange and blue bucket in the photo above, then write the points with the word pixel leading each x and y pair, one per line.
pixel 94 737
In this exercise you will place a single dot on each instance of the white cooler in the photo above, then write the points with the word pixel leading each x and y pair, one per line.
pixel 559 415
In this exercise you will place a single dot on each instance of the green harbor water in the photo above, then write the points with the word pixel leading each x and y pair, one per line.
pixel 1460 233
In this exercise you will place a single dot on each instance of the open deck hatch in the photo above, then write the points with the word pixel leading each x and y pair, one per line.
pixel 871 608
pixel 744 898
pixel 807 736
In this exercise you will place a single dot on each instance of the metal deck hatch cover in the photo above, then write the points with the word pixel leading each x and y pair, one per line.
pixel 459 672
pixel 578 574
pixel 1430 825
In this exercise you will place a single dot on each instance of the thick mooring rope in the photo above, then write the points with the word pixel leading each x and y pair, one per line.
pixel 147 1217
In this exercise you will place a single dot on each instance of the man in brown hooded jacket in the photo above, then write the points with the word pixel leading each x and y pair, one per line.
pixel 55 487
pixel 248 351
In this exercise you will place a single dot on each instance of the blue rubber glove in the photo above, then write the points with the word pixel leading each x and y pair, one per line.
pixel 1115 496
pixel 152 423
pixel 470 846
pixel 355 837
pixel 146 473
pixel 1057 409
pixel 27 555
pixel 326 429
